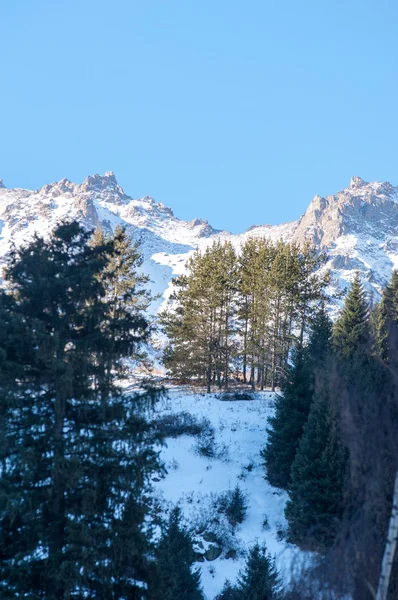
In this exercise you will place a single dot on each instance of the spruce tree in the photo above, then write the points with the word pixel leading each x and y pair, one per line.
pixel 174 578
pixel 76 455
pixel 317 475
pixel 291 413
pixel 385 316
pixel 351 328
pixel 259 580
pixel 293 406
pixel 229 592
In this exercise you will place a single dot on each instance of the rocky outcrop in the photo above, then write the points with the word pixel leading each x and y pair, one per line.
pixel 357 227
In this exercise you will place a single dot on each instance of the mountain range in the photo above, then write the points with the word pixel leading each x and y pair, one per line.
pixel 357 227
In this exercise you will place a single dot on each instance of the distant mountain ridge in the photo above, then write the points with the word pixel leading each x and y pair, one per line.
pixel 357 227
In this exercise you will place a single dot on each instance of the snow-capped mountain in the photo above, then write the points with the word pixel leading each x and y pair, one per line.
pixel 357 227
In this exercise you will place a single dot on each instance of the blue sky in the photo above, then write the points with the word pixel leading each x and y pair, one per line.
pixel 235 111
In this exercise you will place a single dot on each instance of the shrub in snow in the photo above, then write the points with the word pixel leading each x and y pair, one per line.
pixel 209 522
pixel 183 423
pixel 207 446
pixel 235 395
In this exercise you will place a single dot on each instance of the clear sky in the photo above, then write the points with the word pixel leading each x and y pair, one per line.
pixel 238 111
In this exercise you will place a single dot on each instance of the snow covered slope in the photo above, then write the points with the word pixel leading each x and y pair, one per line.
pixel 235 432
pixel 357 227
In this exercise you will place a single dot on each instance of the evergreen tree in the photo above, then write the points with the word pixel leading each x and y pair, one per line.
pixel 229 592
pixel 351 328
pixel 76 455
pixel 174 578
pixel 231 312
pixel 291 413
pixel 385 316
pixel 258 581
pixel 317 476
pixel 200 325
pixel 237 507
pixel 293 406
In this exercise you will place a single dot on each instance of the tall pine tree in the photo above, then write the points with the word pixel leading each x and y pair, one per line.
pixel 76 455
pixel 174 577
pixel 293 406
pixel 317 475
pixel 385 317
pixel 351 328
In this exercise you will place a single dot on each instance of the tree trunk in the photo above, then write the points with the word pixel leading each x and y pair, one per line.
pixel 391 544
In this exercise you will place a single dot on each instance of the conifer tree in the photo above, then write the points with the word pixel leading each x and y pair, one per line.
pixel 291 413
pixel 174 578
pixel 293 406
pixel 229 592
pixel 259 580
pixel 76 455
pixel 317 476
pixel 385 316
pixel 200 326
pixel 351 328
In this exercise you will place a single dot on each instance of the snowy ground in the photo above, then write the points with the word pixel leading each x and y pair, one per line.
pixel 194 481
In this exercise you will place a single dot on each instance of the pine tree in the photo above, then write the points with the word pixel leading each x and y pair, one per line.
pixel 200 321
pixel 237 507
pixel 293 406
pixel 385 316
pixel 351 328
pixel 77 455
pixel 229 592
pixel 291 413
pixel 258 581
pixel 317 476
pixel 174 578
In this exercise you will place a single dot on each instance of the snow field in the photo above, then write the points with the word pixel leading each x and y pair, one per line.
pixel 195 481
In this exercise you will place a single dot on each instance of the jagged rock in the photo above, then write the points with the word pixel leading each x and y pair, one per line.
pixel 210 537
pixel 212 552
pixel 357 226
pixel 198 557
pixel 231 554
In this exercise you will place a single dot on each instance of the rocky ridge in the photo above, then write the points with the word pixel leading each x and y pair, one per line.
pixel 357 227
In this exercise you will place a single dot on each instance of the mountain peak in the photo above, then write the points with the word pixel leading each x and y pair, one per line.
pixel 96 180
pixel 357 182
pixel 2 184
pixel 105 185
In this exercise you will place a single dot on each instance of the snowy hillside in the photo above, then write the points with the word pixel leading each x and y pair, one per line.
pixel 357 227
pixel 203 467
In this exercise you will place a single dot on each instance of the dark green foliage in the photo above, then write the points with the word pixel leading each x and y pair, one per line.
pixel 236 315
pixel 236 508
pixel 385 317
pixel 258 581
pixel 77 456
pixel 292 408
pixel 174 578
pixel 291 413
pixel 317 476
pixel 351 328
pixel 229 592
